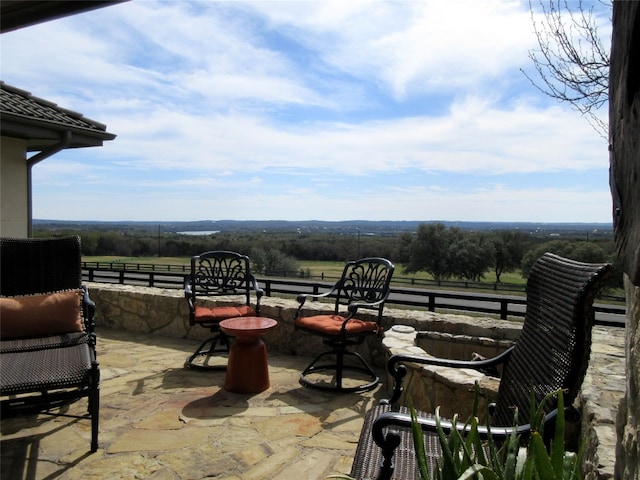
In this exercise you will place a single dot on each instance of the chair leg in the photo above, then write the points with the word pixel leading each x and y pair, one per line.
pixel 94 411
pixel 220 338
pixel 339 367
pixel 94 404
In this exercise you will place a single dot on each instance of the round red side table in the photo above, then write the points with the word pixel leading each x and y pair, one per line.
pixel 247 370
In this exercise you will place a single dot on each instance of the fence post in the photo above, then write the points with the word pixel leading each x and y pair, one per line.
pixel 432 302
pixel 504 307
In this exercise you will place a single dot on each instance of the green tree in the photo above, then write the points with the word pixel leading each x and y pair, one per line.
pixel 580 251
pixel 509 249
pixel 589 252
pixel 471 255
pixel 429 250
pixel 402 252
pixel 270 261
pixel 106 244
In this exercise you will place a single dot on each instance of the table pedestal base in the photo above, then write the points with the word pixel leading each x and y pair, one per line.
pixel 247 370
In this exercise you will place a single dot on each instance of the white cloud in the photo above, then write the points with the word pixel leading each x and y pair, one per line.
pixel 474 137
pixel 296 99
pixel 412 46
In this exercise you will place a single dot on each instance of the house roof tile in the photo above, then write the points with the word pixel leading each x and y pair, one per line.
pixel 40 121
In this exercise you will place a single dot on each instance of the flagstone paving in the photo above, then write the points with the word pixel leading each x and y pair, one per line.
pixel 160 421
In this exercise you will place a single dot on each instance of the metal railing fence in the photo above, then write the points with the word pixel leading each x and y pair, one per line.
pixel 416 296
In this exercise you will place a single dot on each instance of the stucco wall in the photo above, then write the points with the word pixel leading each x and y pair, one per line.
pixel 14 215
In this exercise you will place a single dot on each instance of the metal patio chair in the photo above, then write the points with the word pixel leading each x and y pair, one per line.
pixel 363 287
pixel 215 275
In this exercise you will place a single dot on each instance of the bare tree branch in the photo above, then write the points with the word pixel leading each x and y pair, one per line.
pixel 572 64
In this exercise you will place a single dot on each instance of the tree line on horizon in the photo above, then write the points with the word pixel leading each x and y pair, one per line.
pixel 441 251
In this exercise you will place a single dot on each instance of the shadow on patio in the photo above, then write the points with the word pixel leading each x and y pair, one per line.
pixel 161 421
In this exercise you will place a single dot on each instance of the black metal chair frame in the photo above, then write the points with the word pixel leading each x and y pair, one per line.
pixel 217 274
pixel 552 353
pixel 364 285
pixel 40 374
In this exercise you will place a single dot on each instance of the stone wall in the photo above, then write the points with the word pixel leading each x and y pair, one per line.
pixel 165 312
pixel 429 386
pixel 461 347
pixel 628 421
pixel 624 148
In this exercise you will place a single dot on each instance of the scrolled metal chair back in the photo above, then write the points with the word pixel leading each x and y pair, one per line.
pixel 220 274
pixel 366 281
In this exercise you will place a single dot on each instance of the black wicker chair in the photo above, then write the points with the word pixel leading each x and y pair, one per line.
pixel 48 347
pixel 552 353
pixel 214 275
pixel 364 286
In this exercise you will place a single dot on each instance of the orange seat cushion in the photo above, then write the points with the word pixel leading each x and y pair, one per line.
pixel 331 324
pixel 217 314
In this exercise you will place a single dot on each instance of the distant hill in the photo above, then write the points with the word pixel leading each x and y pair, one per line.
pixel 364 227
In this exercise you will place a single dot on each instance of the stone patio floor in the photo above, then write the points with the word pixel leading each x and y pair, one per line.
pixel 160 421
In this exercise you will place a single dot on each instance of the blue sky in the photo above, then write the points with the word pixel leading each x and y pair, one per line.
pixel 309 110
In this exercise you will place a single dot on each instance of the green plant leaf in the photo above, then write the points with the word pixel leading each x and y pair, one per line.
pixel 510 463
pixel 523 466
pixel 538 451
pixel 495 455
pixel 511 448
pixel 468 454
pixel 570 462
pixel 478 471
pixel 448 458
pixel 418 444
pixel 528 469
pixel 557 445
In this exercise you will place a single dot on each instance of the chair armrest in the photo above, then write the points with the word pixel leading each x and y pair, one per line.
pixel 256 287
pixel 390 440
pixel 258 291
pixel 302 298
pixel 352 308
pixel 188 293
pixel 88 310
pixel 397 369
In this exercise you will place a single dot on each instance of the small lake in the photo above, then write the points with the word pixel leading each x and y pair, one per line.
pixel 199 232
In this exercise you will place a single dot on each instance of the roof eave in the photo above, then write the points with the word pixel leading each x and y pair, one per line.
pixel 40 134
pixel 18 14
